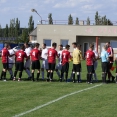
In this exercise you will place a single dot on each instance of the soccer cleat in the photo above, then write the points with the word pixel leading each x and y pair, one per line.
pixel 4 80
pixel 113 78
pixel 14 79
pixel 73 81
pixel 60 79
pixel 19 79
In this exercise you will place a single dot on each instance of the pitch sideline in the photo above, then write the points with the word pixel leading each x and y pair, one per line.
pixel 53 101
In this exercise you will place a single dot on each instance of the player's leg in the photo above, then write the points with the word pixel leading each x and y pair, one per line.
pixel 42 69
pixel 10 71
pixel 48 72
pixel 27 68
pixel 21 67
pixel 78 72
pixel 16 70
pixel 5 67
pixel 80 79
pixel 2 73
pixel 74 71
pixel 95 67
pixel 38 69
pixel 66 71
pixel 52 71
pixel 33 70
pixel 57 70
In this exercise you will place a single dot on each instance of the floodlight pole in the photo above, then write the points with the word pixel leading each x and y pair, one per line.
pixel 33 10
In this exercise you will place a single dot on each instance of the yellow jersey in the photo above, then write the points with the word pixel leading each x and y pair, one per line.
pixel 77 56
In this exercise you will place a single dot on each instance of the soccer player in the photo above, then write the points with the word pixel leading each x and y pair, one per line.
pixel 20 55
pixel 95 64
pixel 52 54
pixel 11 61
pixel 77 57
pixel 111 54
pixel 59 65
pixel 35 56
pixel 90 57
pixel 4 55
pixel 104 59
pixel 65 62
pixel 28 62
pixel 44 56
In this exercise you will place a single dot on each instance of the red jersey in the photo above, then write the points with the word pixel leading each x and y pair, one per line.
pixel 5 54
pixel 35 54
pixel 52 53
pixel 20 55
pixel 90 55
pixel 65 56
pixel 110 51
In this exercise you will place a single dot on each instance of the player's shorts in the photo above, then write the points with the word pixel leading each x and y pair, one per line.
pixel 35 64
pixel 5 66
pixel 76 67
pixel 105 67
pixel 27 64
pixel 110 65
pixel 59 66
pixel 19 66
pixel 11 65
pixel 51 66
pixel 90 68
pixel 65 68
pixel 44 64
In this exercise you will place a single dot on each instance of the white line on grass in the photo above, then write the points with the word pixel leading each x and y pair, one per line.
pixel 53 101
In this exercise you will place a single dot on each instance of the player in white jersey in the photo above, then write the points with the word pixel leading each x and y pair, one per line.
pixel 95 65
pixel 28 62
pixel 44 58
pixel 11 61
pixel 59 64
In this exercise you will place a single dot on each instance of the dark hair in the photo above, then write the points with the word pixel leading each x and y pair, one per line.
pixel 54 44
pixel 26 43
pixel 22 47
pixel 108 42
pixel 6 44
pixel 91 46
pixel 79 45
pixel 67 46
pixel 61 45
pixel 37 44
pixel 44 44
pixel 74 43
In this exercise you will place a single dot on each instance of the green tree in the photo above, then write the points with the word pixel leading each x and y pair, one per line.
pixel 24 37
pixel 6 32
pixel 77 21
pixel 70 20
pixel 30 24
pixel 1 31
pixel 88 21
pixel 50 20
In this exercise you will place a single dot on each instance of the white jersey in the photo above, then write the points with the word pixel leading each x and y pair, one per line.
pixel 28 50
pixel 11 59
pixel 60 56
pixel 95 52
pixel 95 63
pixel 44 54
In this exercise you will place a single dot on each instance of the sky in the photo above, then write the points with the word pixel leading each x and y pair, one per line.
pixel 60 9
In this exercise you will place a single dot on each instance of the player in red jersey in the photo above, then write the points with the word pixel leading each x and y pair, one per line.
pixel 52 54
pixel 90 58
pixel 19 66
pixel 65 62
pixel 111 54
pixel 5 54
pixel 35 57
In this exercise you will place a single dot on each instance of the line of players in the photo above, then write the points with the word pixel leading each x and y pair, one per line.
pixel 48 57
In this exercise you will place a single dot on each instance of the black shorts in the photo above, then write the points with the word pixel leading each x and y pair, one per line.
pixel 19 66
pixel 90 68
pixel 65 68
pixel 5 66
pixel 105 67
pixel 76 67
pixel 35 64
pixel 51 66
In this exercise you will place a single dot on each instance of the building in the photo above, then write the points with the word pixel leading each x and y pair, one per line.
pixel 82 34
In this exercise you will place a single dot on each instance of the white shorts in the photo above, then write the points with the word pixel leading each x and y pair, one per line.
pixel 59 66
pixel 95 65
pixel 11 65
pixel 27 64
pixel 45 64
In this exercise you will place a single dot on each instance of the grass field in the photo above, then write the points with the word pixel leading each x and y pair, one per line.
pixel 20 97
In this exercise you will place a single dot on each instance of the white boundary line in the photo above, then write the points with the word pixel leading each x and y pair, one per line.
pixel 53 101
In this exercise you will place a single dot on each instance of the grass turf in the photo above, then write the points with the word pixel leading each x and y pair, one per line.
pixel 17 97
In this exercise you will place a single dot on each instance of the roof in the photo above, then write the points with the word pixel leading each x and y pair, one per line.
pixel 34 32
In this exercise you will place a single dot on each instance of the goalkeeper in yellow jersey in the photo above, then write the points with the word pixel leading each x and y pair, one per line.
pixel 77 57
